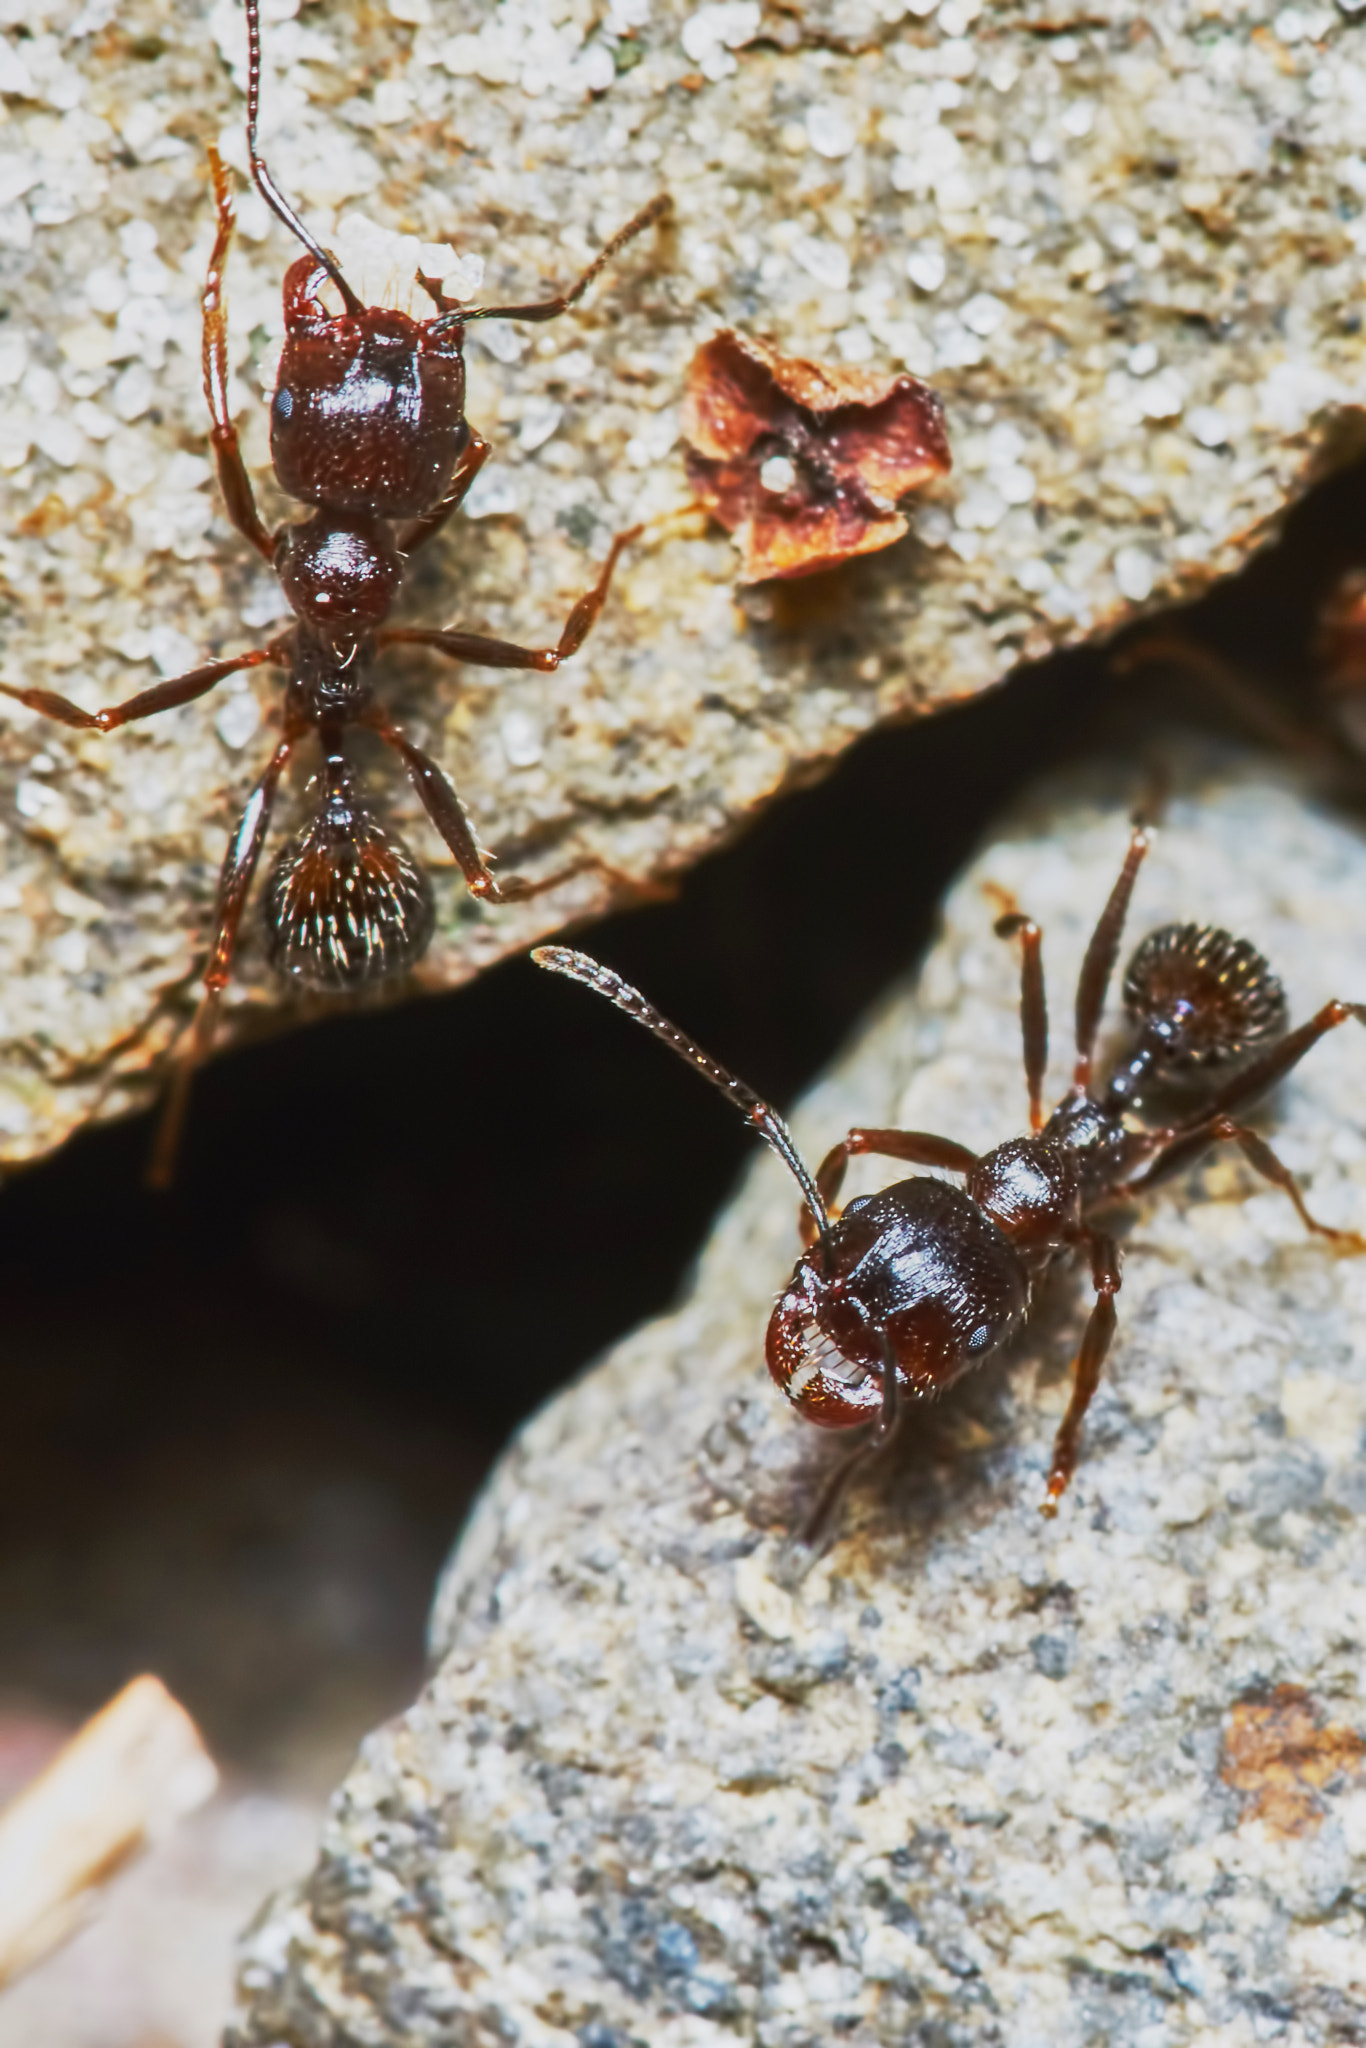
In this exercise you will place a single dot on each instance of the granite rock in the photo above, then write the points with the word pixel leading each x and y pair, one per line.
pixel 978 1778
pixel 1128 251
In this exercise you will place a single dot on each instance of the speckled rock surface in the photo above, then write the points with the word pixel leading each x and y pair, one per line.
pixel 980 1778
pixel 1128 254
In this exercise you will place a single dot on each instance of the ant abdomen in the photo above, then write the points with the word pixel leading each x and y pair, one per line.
pixel 346 904
pixel 1200 998
pixel 369 407
pixel 920 1263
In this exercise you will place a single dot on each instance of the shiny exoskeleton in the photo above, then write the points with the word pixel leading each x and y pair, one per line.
pixel 368 428
pixel 905 1290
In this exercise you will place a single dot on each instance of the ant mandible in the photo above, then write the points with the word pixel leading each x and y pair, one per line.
pixel 906 1290
pixel 368 426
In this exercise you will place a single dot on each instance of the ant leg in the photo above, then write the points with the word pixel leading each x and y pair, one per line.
pixel 1100 1328
pixel 161 697
pixel 1101 953
pixel 921 1148
pixel 818 1523
pixel 486 653
pixel 418 532
pixel 1260 1156
pixel 1188 1146
pixel 233 480
pixel 234 883
pixel 444 808
pixel 550 309
pixel 1175 1149
pixel 1251 703
pixel 1033 1006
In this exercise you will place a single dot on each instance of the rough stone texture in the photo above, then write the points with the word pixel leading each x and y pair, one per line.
pixel 981 1778
pixel 1127 253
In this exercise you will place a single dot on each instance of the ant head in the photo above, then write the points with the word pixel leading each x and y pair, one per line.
pixel 1201 997
pixel 369 407
pixel 918 1267
pixel 345 904
pixel 340 574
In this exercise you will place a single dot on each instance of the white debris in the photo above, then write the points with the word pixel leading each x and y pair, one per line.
pixel 827 262
pixel 983 313
pixel 717 29
pixel 829 130
pixel 926 268
pixel 540 418
pixel 522 739
pixel 1135 573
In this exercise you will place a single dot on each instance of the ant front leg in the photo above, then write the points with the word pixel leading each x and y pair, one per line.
pixel 234 884
pixel 918 1148
pixel 487 653
pixel 818 1523
pixel 418 532
pixel 1033 1006
pixel 233 481
pixel 1100 1328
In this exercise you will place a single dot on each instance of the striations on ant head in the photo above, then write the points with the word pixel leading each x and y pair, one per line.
pixel 905 1290
pixel 368 428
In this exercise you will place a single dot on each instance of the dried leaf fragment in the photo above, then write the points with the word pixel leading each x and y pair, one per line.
pixel 1279 1750
pixel 805 462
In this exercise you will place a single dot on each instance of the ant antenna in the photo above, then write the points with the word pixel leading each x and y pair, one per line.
pixel 265 184
pixel 582 967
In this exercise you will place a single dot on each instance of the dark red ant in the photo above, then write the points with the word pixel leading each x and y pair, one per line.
pixel 367 425
pixel 907 1289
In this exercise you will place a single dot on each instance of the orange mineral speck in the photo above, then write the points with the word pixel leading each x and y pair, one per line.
pixel 805 462
pixel 1281 1754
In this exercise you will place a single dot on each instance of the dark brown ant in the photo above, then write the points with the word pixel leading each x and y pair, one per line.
pixel 368 426
pixel 906 1290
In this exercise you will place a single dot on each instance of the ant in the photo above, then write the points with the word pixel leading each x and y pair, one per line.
pixel 904 1291
pixel 368 428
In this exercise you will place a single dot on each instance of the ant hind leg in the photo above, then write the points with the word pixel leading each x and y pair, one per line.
pixel 234 883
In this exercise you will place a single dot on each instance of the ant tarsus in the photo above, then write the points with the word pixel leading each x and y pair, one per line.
pixel 368 428
pixel 903 1291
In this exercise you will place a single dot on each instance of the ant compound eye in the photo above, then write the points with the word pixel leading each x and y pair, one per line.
pixel 1202 996
pixel 340 573
pixel 346 904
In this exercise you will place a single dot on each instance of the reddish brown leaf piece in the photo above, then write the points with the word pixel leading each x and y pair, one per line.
pixel 855 441
pixel 1279 1752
